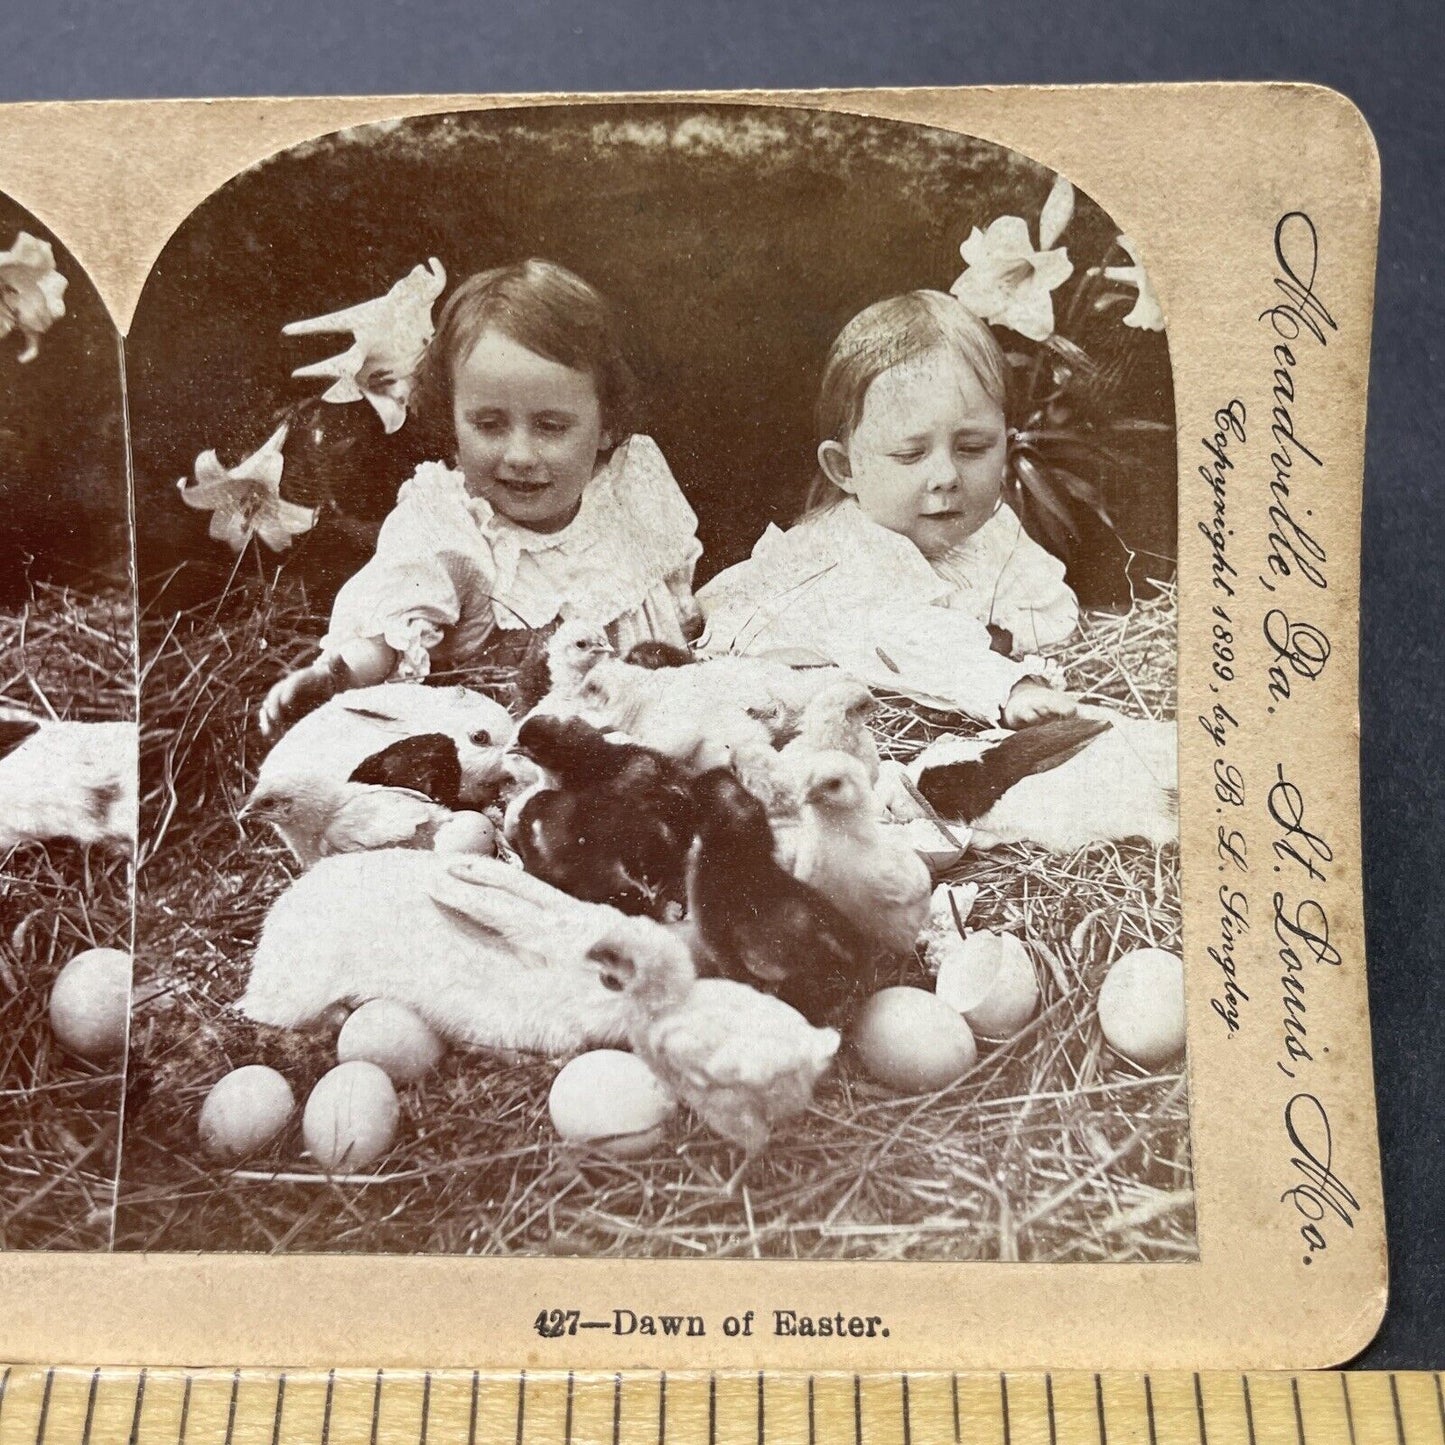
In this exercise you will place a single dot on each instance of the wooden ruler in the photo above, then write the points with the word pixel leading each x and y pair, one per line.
pixel 458 1407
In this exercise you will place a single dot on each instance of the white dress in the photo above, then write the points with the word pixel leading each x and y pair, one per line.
pixel 1001 575
pixel 449 570
pixel 840 586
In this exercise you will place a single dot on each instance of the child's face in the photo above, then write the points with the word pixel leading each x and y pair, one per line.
pixel 528 432
pixel 927 456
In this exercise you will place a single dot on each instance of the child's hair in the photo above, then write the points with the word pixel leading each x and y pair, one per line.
pixel 549 310
pixel 885 335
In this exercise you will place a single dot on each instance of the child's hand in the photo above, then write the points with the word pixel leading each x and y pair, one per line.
pixel 297 694
pixel 1032 701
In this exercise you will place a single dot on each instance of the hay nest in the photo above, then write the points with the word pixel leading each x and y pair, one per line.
pixel 1050 1149
pixel 66 655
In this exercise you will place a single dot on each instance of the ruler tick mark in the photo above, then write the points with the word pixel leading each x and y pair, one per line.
pixel 186 1413
pixel 90 1407
pixel 1199 1408
pixel 1049 1406
pixel 326 1413
pixel 662 1408
pixel 760 1407
pixel 44 1407
pixel 957 1427
pixel 231 1411
pixel 857 1410
pixel 1099 1410
pixel 1349 1407
pixel 472 1424
pixel 1003 1402
pixel 567 1422
pixel 1149 1411
pixel 711 1411
pixel 140 1395
pixel 616 1409
pixel 521 1405
pixel 1395 1401
pixel 1439 1399
pixel 5 1385
pixel 813 1423
pixel 280 1405
pixel 376 1408
pixel 907 1422
pixel 1248 1409
pixel 1299 1414
pixel 426 1407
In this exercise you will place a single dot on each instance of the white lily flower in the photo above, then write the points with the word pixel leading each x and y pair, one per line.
pixel 1147 314
pixel 32 291
pixel 245 500
pixel 391 333
pixel 1007 281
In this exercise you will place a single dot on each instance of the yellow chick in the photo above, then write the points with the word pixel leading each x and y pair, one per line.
pixel 317 816
pixel 840 848
pixel 836 720
pixel 744 1061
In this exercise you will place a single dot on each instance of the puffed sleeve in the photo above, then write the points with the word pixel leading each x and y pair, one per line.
pixel 663 526
pixel 1034 602
pixel 428 563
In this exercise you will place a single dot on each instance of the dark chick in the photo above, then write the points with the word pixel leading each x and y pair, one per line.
pixel 617 825
pixel 428 763
pixel 655 655
pixel 757 922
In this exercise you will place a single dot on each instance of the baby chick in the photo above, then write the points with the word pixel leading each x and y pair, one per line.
pixel 571 653
pixel 616 826
pixel 655 655
pixel 743 1061
pixel 836 720
pixel 67 780
pixel 842 850
pixel 317 816
pixel 755 920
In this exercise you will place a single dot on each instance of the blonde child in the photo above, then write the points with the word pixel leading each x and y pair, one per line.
pixel 907 567
pixel 546 509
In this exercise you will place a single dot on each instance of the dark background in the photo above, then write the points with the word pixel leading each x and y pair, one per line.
pixel 1387 57
pixel 63 496
pixel 734 242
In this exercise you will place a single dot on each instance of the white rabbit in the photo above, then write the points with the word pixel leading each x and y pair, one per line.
pixel 1123 783
pixel 66 780
pixel 487 954
pixel 353 726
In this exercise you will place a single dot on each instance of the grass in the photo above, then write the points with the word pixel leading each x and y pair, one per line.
pixel 1051 1148
pixel 65 655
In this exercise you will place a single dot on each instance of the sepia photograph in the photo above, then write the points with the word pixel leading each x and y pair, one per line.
pixel 67 745
pixel 657 696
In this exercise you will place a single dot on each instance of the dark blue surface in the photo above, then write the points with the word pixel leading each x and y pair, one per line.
pixel 1388 57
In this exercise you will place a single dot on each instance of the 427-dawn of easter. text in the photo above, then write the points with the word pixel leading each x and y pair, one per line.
pixel 555 1324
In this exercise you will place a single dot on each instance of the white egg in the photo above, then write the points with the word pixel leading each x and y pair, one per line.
pixel 467 833
pixel 391 1036
pixel 351 1117
pixel 912 1041
pixel 610 1097
pixel 90 1003
pixel 245 1111
pixel 988 977
pixel 1141 1006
